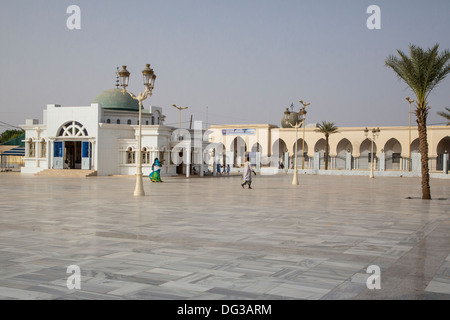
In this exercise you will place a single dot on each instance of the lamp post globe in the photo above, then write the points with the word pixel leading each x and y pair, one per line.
pixel 124 77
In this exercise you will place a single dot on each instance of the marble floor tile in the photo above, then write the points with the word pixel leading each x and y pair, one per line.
pixel 207 239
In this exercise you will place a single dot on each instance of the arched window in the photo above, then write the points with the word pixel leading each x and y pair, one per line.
pixel 118 121
pixel 131 156
pixel 72 129
pixel 108 120
pixel 129 122
pixel 145 155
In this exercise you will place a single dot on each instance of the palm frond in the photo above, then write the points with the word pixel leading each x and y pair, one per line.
pixel 445 115
pixel 422 70
pixel 327 128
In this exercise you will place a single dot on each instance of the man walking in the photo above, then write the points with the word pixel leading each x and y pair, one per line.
pixel 247 176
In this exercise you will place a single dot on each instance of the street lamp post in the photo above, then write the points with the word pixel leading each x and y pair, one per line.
pixel 409 152
pixel 299 122
pixel 303 110
pixel 375 134
pixel 180 109
pixel 149 83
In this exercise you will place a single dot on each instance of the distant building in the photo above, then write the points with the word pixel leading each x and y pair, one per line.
pixel 350 150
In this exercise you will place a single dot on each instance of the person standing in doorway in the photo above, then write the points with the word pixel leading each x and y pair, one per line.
pixel 247 176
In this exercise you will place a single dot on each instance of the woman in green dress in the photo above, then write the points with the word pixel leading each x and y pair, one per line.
pixel 155 176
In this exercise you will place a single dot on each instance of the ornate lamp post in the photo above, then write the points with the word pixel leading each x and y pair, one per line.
pixel 180 109
pixel 285 123
pixel 299 122
pixel 409 152
pixel 149 83
pixel 375 134
pixel 303 110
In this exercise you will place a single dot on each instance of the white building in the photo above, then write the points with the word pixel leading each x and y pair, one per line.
pixel 101 138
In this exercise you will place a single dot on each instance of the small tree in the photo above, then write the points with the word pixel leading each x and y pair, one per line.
pixel 446 115
pixel 327 128
pixel 10 134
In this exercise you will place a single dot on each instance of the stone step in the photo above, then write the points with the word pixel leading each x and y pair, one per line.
pixel 71 173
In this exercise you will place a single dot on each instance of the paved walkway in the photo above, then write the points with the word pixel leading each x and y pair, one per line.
pixel 210 239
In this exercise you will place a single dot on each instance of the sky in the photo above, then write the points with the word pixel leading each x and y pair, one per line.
pixel 228 61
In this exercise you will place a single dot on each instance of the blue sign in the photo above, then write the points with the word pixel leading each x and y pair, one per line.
pixel 226 132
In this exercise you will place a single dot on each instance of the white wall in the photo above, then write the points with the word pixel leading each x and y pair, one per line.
pixel 108 155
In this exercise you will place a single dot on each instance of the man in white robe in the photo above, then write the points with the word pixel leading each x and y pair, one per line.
pixel 247 176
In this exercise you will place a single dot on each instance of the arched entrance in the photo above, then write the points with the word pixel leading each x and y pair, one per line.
pixel 320 148
pixel 443 147
pixel 302 155
pixel 393 154
pixel 366 156
pixel 70 149
pixel 344 146
pixel 239 148
pixel 279 154
pixel 256 147
pixel 415 146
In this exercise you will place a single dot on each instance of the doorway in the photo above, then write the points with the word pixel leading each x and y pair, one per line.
pixel 72 154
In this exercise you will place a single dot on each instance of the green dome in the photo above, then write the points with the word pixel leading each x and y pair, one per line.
pixel 289 118
pixel 116 100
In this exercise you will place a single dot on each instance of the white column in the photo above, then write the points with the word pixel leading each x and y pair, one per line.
pixel 37 152
pixel 38 149
pixel 445 163
pixel 188 162
pixel 49 154
pixel 93 165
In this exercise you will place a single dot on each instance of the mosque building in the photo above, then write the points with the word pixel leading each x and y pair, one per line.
pixel 102 138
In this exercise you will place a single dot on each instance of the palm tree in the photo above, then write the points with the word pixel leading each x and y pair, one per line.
pixel 446 115
pixel 327 128
pixel 422 71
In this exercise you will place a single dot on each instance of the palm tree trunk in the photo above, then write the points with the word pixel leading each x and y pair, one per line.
pixel 422 114
pixel 326 152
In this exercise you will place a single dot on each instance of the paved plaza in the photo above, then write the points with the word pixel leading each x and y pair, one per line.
pixel 208 239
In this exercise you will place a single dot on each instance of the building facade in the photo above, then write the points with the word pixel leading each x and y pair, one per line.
pixel 103 137
pixel 395 149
